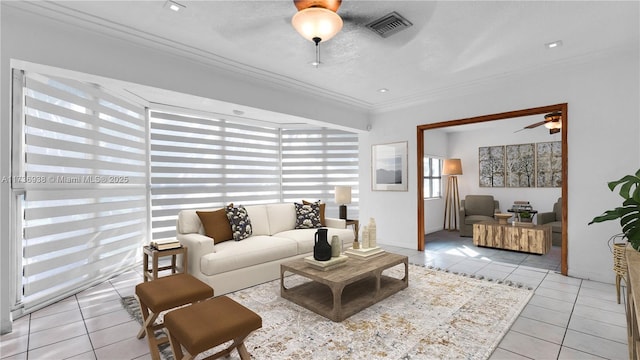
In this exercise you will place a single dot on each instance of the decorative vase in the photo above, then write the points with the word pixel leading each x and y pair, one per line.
pixel 356 244
pixel 372 233
pixel 336 246
pixel 321 249
pixel 365 238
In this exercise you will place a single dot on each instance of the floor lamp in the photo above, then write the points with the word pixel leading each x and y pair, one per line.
pixel 451 167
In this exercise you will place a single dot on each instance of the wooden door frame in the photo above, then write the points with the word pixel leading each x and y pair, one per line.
pixel 485 118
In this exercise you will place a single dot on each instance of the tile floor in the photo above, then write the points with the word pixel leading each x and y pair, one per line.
pixel 567 318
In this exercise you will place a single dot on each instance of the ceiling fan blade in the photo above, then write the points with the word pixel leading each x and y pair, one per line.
pixel 535 125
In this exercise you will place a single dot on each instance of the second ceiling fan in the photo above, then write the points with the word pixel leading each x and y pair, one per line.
pixel 552 121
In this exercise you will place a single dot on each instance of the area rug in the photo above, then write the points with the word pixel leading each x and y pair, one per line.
pixel 439 316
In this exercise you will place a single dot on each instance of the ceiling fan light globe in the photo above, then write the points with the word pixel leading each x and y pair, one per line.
pixel 553 125
pixel 317 22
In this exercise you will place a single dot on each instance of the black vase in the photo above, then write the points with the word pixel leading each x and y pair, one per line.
pixel 321 249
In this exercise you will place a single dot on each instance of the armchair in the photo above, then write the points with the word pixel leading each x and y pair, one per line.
pixel 475 209
pixel 553 218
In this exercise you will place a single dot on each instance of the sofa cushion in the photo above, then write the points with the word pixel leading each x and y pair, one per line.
pixel 259 219
pixel 189 222
pixel 474 219
pixel 282 217
pixel 232 255
pixel 216 225
pixel 322 208
pixel 307 216
pixel 239 221
pixel 305 238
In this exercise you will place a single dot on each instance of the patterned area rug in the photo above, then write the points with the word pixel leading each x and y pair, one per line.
pixel 439 316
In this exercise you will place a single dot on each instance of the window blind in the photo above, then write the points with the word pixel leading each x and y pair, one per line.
pixel 200 163
pixel 83 179
pixel 314 161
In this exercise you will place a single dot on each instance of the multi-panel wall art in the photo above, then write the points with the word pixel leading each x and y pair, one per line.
pixel 521 165
pixel 491 161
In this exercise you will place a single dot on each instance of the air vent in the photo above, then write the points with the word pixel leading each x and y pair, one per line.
pixel 389 24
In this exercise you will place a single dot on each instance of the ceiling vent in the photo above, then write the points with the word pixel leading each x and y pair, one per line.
pixel 389 24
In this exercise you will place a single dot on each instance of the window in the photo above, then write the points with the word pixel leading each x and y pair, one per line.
pixel 79 178
pixel 432 178
pixel 204 162
pixel 314 161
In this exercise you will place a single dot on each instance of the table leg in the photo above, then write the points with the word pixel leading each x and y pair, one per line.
pixel 173 264
pixel 145 266
pixel 154 266
pixel 336 312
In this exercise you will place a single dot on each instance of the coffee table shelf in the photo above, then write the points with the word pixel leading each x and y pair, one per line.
pixel 338 294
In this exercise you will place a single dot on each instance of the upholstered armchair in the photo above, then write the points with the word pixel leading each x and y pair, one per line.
pixel 475 209
pixel 553 218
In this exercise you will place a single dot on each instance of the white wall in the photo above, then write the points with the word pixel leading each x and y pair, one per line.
pixel 603 127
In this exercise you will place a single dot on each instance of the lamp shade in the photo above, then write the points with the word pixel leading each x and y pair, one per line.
pixel 553 125
pixel 452 167
pixel 343 195
pixel 317 22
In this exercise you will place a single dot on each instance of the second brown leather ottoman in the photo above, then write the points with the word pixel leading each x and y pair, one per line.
pixel 210 323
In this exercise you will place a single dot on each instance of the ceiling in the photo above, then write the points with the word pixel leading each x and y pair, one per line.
pixel 451 44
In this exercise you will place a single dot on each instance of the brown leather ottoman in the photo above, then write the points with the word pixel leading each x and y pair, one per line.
pixel 164 294
pixel 210 323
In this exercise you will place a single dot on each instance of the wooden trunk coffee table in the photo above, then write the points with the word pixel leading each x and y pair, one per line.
pixel 527 238
pixel 341 292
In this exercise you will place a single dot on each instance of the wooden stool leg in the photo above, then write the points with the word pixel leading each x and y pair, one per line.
pixel 242 350
pixel 177 348
pixel 146 319
pixel 148 328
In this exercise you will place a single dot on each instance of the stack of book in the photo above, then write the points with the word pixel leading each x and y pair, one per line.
pixel 165 244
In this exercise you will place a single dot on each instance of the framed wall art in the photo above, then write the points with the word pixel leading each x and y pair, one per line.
pixel 389 167
pixel 549 164
pixel 520 165
pixel 491 165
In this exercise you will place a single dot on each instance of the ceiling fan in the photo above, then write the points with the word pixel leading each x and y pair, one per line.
pixel 552 121
pixel 318 20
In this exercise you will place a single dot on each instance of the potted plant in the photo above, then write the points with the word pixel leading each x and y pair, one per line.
pixel 525 216
pixel 629 212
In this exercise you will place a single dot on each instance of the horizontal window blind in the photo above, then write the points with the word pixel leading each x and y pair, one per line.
pixel 84 178
pixel 314 161
pixel 200 163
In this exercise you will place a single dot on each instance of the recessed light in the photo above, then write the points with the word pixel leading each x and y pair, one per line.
pixel 554 44
pixel 172 5
pixel 383 90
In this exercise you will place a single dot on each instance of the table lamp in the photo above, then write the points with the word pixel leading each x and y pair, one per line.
pixel 343 197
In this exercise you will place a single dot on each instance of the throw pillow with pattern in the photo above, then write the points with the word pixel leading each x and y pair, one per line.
pixel 239 221
pixel 308 216
pixel 322 207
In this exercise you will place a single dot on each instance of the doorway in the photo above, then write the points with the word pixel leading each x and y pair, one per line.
pixel 563 108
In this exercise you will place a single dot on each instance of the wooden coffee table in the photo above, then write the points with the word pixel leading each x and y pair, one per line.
pixel 530 238
pixel 341 292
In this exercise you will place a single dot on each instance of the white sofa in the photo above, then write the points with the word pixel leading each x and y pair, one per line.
pixel 232 265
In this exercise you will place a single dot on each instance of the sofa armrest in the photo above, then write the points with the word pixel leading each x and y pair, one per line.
pixel 197 245
pixel 546 217
pixel 335 223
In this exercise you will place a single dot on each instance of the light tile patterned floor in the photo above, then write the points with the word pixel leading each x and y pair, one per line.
pixel 567 318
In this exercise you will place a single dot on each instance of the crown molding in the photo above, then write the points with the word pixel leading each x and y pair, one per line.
pixel 61 13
